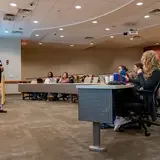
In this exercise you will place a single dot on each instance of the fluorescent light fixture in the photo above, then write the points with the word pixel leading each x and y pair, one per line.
pixel 62 36
pixel 94 22
pixel 111 36
pixel 37 35
pixel 35 22
pixel 78 7
pixel 61 29
pixel 13 4
pixel 6 31
pixel 107 29
pixel 131 39
pixel 40 43
pixel 139 3
pixel 91 43
pixel 147 16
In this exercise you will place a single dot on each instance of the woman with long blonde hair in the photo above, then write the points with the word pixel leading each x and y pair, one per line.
pixel 151 69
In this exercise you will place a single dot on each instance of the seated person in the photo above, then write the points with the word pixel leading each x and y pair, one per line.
pixel 151 68
pixel 137 70
pixel 50 79
pixel 76 79
pixel 63 79
pixel 71 79
pixel 123 72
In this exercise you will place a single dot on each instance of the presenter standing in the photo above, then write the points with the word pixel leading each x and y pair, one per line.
pixel 1 70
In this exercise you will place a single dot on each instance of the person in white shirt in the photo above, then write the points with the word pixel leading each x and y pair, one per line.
pixel 50 79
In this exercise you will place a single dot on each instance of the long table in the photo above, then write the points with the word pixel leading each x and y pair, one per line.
pixel 64 88
pixel 96 104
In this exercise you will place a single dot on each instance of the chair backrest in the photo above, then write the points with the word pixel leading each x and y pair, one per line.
pixel 34 82
pixel 156 93
pixel 102 79
pixel 154 105
pixel 88 80
pixel 95 80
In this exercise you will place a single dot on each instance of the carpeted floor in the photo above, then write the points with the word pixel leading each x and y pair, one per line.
pixel 33 130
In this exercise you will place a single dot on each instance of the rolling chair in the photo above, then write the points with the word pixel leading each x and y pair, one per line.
pixel 158 103
pixel 140 113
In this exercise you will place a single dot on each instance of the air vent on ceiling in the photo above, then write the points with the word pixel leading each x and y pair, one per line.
pixel 17 32
pixel 155 12
pixel 24 12
pixel 9 17
pixel 130 24
pixel 89 38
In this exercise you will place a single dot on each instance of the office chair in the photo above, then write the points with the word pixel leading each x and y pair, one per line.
pixel 158 103
pixel 139 113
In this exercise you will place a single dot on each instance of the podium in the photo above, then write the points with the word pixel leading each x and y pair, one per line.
pixel 96 105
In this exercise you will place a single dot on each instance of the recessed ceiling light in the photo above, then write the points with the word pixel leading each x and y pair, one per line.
pixel 107 29
pixel 40 43
pixel 94 22
pixel 61 36
pixel 37 35
pixel 131 39
pixel 91 43
pixel 139 3
pixel 61 29
pixel 6 31
pixel 78 7
pixel 111 36
pixel 13 4
pixel 35 21
pixel 157 43
pixel 147 16
pixel 72 45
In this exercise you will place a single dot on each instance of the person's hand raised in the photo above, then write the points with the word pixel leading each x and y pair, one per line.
pixel 126 77
pixel 139 71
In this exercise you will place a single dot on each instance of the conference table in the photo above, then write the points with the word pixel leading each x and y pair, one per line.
pixel 96 105
pixel 63 88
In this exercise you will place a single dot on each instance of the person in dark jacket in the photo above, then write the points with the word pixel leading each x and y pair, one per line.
pixel 138 71
pixel 1 70
pixel 147 81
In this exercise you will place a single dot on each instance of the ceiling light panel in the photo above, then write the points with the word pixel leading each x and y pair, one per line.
pixel 94 22
pixel 78 7
pixel 13 4
pixel 146 16
pixel 35 22
pixel 139 3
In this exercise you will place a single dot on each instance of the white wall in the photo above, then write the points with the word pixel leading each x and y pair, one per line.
pixel 10 49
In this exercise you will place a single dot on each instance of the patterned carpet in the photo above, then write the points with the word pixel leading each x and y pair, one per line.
pixel 34 130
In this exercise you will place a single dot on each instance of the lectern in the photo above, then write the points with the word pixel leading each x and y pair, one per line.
pixel 96 106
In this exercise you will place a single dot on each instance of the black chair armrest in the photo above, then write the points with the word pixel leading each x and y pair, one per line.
pixel 145 92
